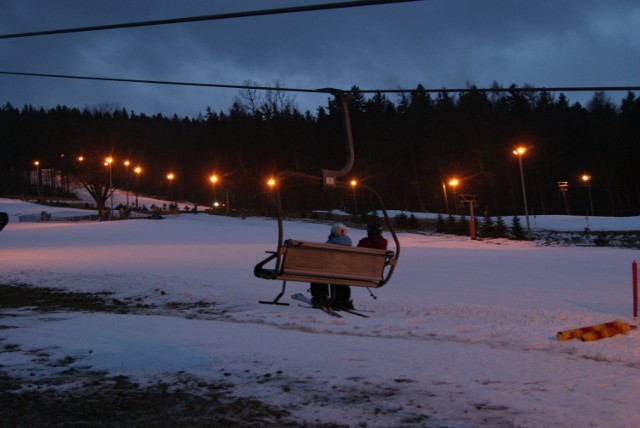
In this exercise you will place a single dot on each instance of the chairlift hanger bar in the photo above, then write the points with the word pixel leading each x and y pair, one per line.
pixel 324 90
pixel 216 17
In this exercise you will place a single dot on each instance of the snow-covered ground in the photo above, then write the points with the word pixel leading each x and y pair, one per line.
pixel 463 335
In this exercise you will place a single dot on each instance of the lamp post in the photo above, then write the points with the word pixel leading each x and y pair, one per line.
pixel 272 182
pixel 37 164
pixel 137 170
pixel 353 184
pixel 108 162
pixel 446 198
pixel 586 178
pixel 454 184
pixel 170 177
pixel 214 180
pixel 520 151
pixel 126 166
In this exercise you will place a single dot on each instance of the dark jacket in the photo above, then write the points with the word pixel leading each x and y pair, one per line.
pixel 375 241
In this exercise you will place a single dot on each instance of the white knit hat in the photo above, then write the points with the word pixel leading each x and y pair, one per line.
pixel 339 229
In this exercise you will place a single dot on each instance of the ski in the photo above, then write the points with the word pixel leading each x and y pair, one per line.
pixel 334 312
pixel 327 311
pixel 302 298
pixel 353 312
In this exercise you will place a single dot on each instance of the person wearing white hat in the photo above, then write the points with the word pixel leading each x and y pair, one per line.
pixel 320 292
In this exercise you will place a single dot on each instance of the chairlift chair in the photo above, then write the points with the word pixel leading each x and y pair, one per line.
pixel 305 261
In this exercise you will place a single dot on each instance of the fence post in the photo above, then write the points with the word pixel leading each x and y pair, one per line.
pixel 634 270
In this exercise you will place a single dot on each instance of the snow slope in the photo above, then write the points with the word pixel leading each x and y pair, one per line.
pixel 463 335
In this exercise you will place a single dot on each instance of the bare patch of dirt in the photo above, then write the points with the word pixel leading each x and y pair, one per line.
pixel 98 400
pixel 86 398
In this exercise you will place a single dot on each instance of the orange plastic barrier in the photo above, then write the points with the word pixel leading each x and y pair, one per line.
pixel 595 332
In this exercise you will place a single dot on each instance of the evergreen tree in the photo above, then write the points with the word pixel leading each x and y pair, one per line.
pixel 501 228
pixel 413 222
pixel 440 224
pixel 401 219
pixel 516 229
pixel 450 225
pixel 405 150
pixel 488 229
pixel 462 226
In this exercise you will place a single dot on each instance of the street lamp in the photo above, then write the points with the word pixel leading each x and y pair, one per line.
pixel 454 183
pixel 520 151
pixel 586 178
pixel 108 161
pixel 353 184
pixel 138 171
pixel 126 166
pixel 37 164
pixel 170 177
pixel 214 180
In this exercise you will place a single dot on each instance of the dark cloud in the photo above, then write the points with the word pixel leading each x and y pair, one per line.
pixel 434 43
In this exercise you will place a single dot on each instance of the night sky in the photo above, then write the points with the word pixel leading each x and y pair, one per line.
pixel 437 43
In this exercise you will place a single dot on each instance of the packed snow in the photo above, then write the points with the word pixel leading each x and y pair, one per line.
pixel 462 336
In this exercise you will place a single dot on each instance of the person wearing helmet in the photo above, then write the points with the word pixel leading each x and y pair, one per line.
pixel 320 292
pixel 374 237
pixel 341 294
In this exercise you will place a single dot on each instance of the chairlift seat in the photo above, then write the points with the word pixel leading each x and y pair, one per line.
pixel 304 261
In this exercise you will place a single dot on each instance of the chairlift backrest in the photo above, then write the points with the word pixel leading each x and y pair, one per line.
pixel 304 261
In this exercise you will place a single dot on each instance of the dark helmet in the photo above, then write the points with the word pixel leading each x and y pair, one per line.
pixel 374 228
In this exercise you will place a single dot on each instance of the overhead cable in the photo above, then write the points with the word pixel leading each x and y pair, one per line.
pixel 331 90
pixel 232 15
pixel 158 82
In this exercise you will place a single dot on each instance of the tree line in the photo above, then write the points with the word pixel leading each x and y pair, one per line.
pixel 408 149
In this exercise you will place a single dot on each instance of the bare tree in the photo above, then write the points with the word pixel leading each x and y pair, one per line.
pixel 92 173
pixel 249 99
pixel 280 101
